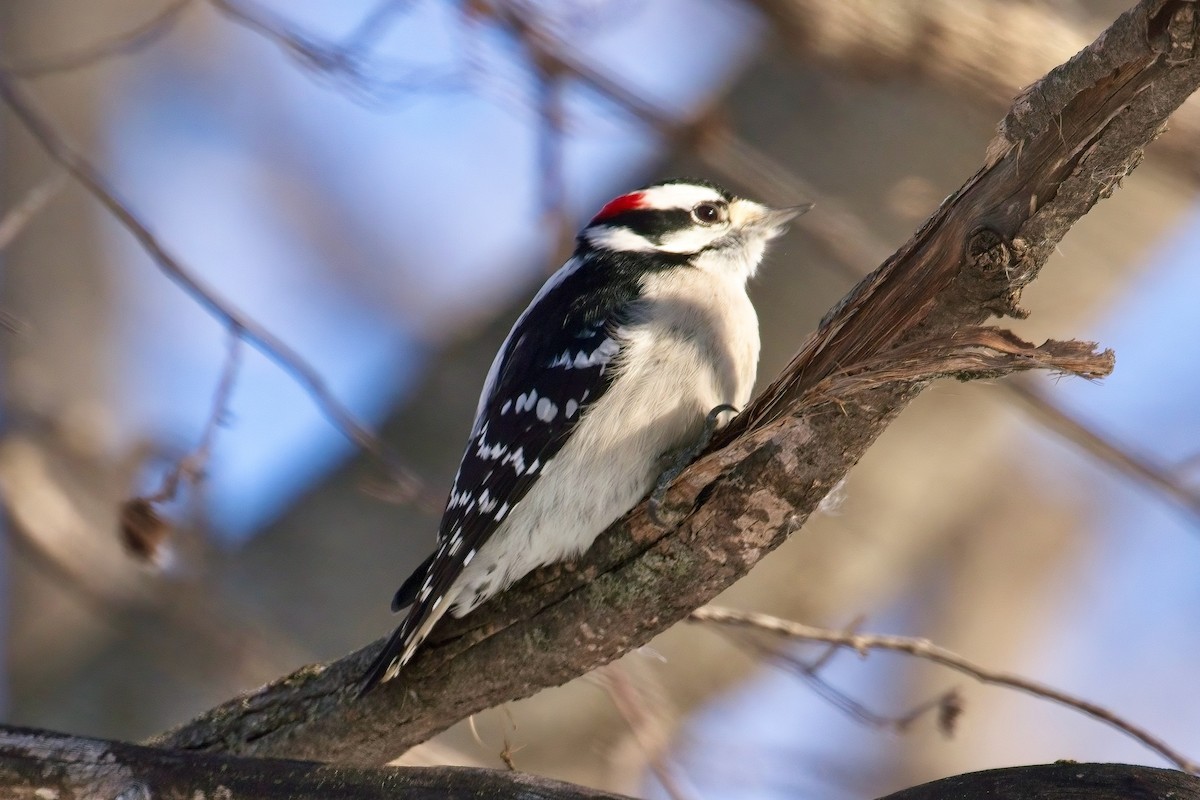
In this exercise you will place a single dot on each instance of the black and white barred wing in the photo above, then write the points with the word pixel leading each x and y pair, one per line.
pixel 556 362
pixel 535 405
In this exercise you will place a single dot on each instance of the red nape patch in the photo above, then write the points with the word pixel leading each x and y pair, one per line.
pixel 626 202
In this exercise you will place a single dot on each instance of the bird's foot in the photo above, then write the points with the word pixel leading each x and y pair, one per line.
pixel 680 460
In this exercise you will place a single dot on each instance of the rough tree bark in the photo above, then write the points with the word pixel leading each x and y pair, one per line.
pixel 1066 142
pixel 1062 781
pixel 36 765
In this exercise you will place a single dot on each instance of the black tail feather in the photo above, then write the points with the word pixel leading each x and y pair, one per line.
pixel 390 652
pixel 407 593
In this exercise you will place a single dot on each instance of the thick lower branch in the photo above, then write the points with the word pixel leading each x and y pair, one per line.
pixel 35 765
pixel 1059 781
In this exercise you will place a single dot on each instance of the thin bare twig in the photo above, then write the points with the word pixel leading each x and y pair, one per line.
pixel 131 41
pixel 143 528
pixel 863 643
pixel 809 671
pixel 507 750
pixel 20 215
pixel 191 468
pixel 238 323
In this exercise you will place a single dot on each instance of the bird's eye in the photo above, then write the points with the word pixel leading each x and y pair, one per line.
pixel 707 213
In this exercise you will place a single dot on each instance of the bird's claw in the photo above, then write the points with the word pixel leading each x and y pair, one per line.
pixel 680 462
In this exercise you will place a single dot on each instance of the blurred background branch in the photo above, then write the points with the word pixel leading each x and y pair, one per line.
pixel 237 322
pixel 38 764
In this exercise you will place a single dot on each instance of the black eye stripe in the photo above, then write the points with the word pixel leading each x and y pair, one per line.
pixel 652 223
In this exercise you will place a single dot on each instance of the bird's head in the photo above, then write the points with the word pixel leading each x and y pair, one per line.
pixel 688 222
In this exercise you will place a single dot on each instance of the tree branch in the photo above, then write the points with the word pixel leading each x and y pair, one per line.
pixel 1062 781
pixel 1065 144
pixel 862 643
pixel 35 765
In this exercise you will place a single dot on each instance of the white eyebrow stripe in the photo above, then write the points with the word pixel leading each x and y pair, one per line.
pixel 678 195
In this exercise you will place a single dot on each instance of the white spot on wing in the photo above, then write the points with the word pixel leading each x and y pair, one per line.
pixel 525 402
pixel 490 452
pixel 572 407
pixel 546 410
pixel 516 459
pixel 489 385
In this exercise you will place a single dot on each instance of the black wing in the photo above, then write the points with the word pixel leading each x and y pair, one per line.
pixel 557 361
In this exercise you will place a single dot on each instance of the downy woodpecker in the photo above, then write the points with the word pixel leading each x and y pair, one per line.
pixel 612 369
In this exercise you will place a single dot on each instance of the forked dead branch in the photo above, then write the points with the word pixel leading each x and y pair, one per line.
pixel 914 319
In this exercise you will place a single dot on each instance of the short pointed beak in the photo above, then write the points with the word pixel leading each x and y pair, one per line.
pixel 774 217
pixel 771 221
